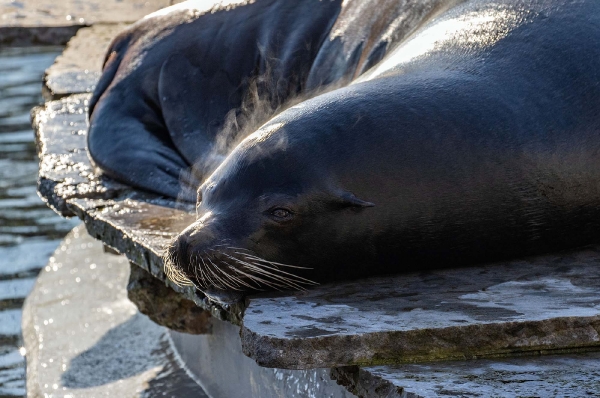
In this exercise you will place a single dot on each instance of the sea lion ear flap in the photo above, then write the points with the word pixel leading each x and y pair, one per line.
pixel 349 199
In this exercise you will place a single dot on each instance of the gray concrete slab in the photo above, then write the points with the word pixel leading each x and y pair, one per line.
pixel 79 67
pixel 25 22
pixel 84 338
pixel 551 376
pixel 533 306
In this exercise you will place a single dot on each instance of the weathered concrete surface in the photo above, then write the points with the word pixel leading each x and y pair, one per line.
pixel 65 170
pixel 218 363
pixel 165 306
pixel 85 339
pixel 26 22
pixel 79 67
pixel 531 306
pixel 550 376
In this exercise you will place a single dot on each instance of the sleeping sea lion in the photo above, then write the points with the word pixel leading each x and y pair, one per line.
pixel 475 139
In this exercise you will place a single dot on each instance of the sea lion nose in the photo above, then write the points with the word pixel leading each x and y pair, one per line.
pixel 183 246
pixel 180 252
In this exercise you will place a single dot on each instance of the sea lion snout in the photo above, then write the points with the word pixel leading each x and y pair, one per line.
pixel 206 255
pixel 185 254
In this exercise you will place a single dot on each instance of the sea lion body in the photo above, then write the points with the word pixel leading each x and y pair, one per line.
pixel 475 140
pixel 173 81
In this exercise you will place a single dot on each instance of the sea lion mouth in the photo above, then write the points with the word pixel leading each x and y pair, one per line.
pixel 228 268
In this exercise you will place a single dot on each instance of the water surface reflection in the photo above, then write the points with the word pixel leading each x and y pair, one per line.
pixel 29 231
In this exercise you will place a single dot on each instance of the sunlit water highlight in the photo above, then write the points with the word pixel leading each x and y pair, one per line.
pixel 29 231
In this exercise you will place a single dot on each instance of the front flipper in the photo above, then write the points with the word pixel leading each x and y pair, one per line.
pixel 194 107
pixel 133 152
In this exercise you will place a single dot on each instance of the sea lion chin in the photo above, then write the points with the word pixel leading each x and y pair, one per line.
pixel 473 141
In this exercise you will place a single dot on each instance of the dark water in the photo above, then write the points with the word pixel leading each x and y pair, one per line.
pixel 29 231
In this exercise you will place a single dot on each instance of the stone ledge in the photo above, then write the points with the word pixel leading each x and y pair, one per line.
pixel 65 170
pixel 164 306
pixel 551 376
pixel 141 228
pixel 530 306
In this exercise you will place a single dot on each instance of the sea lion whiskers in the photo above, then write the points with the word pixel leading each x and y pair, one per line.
pixel 255 263
pixel 252 278
pixel 274 267
pixel 215 273
pixel 271 284
pixel 288 279
pixel 178 278
pixel 227 267
pixel 205 278
pixel 297 278
pixel 267 261
pixel 209 273
pixel 235 280
pixel 196 275
pixel 202 272
pixel 275 277
pixel 231 267
pixel 254 268
pixel 173 272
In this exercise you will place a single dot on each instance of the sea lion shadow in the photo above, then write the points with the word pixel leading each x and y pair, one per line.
pixel 129 349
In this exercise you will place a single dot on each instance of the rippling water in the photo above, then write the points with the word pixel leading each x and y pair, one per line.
pixel 29 231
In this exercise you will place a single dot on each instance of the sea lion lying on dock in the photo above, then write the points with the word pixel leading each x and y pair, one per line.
pixel 475 139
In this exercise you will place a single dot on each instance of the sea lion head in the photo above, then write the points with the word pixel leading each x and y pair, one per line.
pixel 272 216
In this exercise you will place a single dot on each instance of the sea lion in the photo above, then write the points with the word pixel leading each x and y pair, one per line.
pixel 177 86
pixel 475 140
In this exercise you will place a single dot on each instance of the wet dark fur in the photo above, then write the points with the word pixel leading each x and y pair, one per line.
pixel 482 146
pixel 181 87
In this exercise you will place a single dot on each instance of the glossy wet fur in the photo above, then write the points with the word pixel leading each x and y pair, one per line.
pixel 476 150
pixel 182 85
pixel 170 81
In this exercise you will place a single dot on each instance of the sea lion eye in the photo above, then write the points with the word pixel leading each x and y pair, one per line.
pixel 281 214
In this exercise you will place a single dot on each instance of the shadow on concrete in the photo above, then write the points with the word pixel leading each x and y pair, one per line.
pixel 136 347
pixel 116 356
